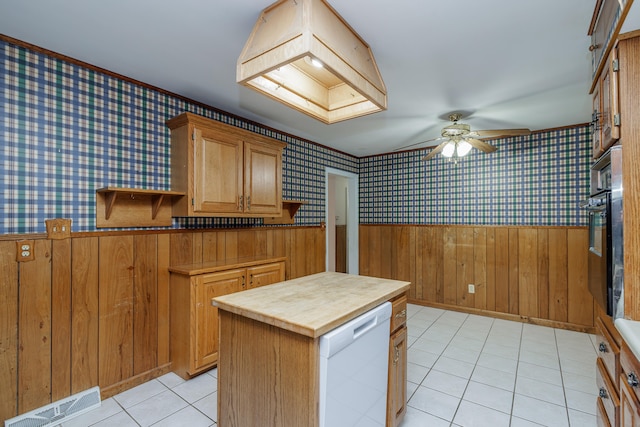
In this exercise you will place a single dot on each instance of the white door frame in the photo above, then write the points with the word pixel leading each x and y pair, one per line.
pixel 353 217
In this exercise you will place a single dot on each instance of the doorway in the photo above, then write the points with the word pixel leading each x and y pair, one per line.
pixel 342 219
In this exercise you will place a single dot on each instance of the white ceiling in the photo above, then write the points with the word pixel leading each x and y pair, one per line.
pixel 506 63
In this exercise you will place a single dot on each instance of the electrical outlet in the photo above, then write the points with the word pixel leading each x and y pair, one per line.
pixel 472 289
pixel 59 228
pixel 24 251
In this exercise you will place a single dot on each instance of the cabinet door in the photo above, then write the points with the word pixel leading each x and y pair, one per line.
pixel 596 124
pixel 397 386
pixel 609 96
pixel 265 274
pixel 629 416
pixel 217 186
pixel 205 327
pixel 262 179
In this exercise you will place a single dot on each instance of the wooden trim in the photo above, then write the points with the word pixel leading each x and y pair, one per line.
pixel 99 233
pixel 119 387
pixel 629 35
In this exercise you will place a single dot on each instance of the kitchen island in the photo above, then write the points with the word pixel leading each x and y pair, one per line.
pixel 269 344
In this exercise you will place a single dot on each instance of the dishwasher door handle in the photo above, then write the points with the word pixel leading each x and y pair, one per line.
pixel 362 329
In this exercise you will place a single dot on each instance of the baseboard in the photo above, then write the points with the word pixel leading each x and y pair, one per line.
pixel 508 316
pixel 119 387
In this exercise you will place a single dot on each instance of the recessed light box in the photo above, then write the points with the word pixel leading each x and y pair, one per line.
pixel 304 54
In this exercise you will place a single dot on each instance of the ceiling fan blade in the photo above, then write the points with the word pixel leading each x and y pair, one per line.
pixel 418 143
pixel 435 151
pixel 501 132
pixel 481 145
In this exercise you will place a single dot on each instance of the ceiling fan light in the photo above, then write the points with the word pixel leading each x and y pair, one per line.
pixel 449 149
pixel 463 148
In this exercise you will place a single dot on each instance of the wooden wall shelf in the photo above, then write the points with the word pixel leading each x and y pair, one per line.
pixel 289 209
pixel 133 207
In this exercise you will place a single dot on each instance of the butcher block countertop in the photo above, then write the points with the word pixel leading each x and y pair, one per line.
pixel 214 266
pixel 312 305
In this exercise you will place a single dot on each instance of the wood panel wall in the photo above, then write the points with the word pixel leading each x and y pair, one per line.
pixel 534 274
pixel 94 309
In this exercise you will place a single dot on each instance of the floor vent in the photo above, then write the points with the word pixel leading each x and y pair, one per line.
pixel 57 412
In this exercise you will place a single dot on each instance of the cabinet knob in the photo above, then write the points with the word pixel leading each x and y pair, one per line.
pixel 602 347
pixel 594 47
pixel 632 380
pixel 603 393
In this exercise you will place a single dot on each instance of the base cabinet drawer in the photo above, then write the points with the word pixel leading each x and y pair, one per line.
pixel 608 398
pixel 629 388
pixel 629 405
pixel 608 351
pixel 398 313
pixel 601 415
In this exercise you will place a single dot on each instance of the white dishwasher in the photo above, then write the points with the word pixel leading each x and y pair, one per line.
pixel 354 363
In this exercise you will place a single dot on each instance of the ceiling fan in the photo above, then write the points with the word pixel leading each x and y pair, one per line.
pixel 459 139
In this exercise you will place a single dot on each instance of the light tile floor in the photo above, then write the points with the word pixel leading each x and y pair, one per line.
pixel 463 370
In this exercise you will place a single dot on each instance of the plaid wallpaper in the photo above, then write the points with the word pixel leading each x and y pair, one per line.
pixel 67 130
pixel 531 180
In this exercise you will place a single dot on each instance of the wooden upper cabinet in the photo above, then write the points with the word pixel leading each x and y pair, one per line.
pixel 218 173
pixel 606 108
pixel 224 170
pixel 596 124
pixel 262 179
pixel 609 101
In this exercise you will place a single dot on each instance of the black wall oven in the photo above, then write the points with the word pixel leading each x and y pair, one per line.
pixel 605 233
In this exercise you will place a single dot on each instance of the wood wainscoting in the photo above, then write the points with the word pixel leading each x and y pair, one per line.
pixel 530 274
pixel 94 309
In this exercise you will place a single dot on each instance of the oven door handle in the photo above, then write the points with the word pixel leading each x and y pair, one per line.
pixel 599 208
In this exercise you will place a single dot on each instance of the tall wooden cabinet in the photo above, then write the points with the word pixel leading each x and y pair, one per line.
pixel 224 170
pixel 194 321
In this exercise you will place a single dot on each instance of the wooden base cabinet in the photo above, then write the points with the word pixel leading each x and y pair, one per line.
pixel 607 372
pixel 269 376
pixel 629 388
pixel 397 384
pixel 629 407
pixel 194 321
